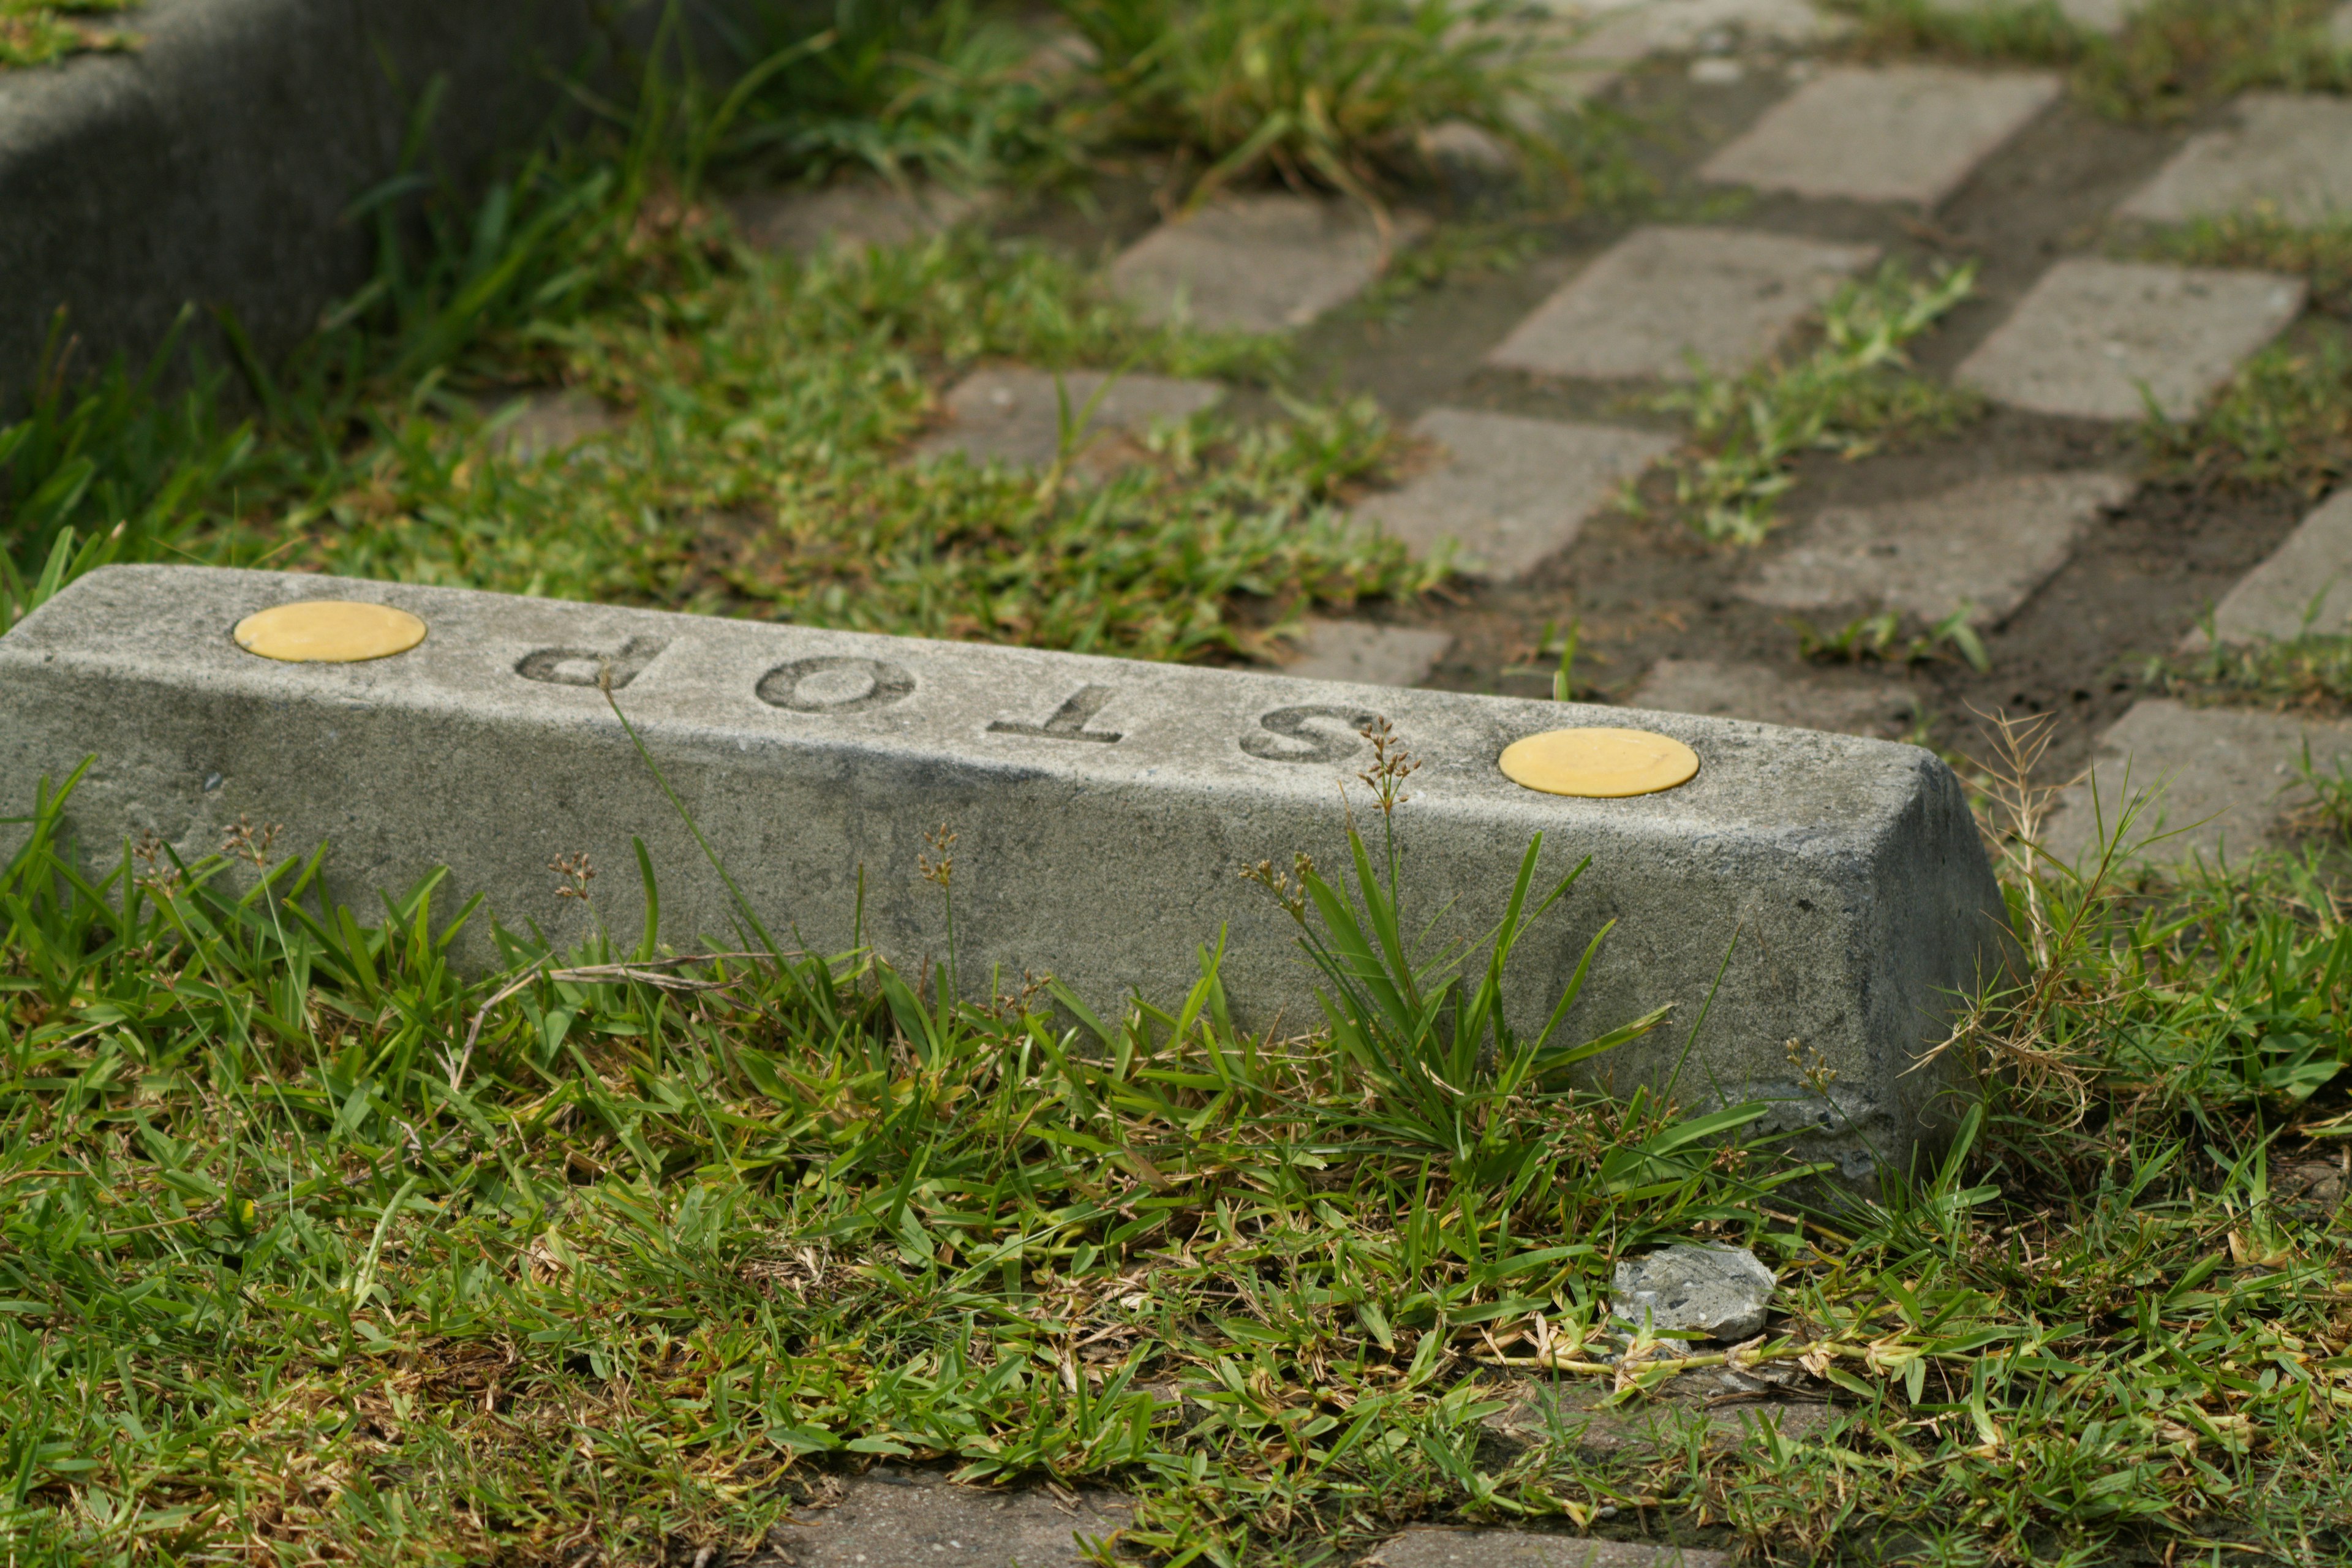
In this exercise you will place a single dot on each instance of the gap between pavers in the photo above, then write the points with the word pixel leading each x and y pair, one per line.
pixel 1257 263
pixel 1661 294
pixel 1888 133
pixel 1432 1547
pixel 1364 654
pixel 2304 587
pixel 2287 151
pixel 2223 777
pixel 2099 340
pixel 1989 543
pixel 854 215
pixel 894 1519
pixel 1873 706
pixel 1509 491
pixel 1012 414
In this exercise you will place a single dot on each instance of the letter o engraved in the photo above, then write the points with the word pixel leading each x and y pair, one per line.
pixel 834 684
pixel 1282 736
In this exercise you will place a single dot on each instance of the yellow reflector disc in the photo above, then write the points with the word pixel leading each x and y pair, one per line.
pixel 329 631
pixel 1602 764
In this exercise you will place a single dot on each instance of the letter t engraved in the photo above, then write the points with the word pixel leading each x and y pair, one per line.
pixel 1070 720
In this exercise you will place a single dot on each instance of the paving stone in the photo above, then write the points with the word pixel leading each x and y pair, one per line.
pixel 896 1519
pixel 2286 152
pixel 2093 334
pixel 853 215
pixel 1882 709
pixel 2091 16
pixel 1891 133
pixel 1989 544
pixel 1365 654
pixel 1013 413
pixel 2226 777
pixel 2305 586
pixel 1625 30
pixel 1104 808
pixel 1723 1292
pixel 1511 492
pixel 1257 263
pixel 1727 295
pixel 1431 1547
pixel 1719 1406
pixel 551 420
pixel 2339 27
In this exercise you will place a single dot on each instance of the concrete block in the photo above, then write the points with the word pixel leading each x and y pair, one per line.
pixel 889 1516
pixel 851 216
pixel 1887 133
pixel 2220 780
pixel 1104 809
pixel 1363 654
pixel 1429 1546
pixel 2304 587
pixel 2100 340
pixel 1256 264
pixel 1987 543
pixel 1727 295
pixel 1510 492
pixel 1012 414
pixel 1850 706
pixel 2288 152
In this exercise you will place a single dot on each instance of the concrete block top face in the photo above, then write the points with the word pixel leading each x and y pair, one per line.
pixel 1105 808
pixel 1257 263
pixel 891 1516
pixel 1508 490
pixel 1890 134
pixel 1428 1546
pixel 2287 151
pixel 2093 334
pixel 1876 707
pixel 2304 587
pixel 1013 415
pixel 1366 654
pixel 851 216
pixel 1987 543
pixel 1661 294
pixel 2218 781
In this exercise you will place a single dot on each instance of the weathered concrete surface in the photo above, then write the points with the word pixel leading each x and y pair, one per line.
pixel 850 216
pixel 2287 150
pixel 1104 809
pixel 900 1519
pixel 1888 133
pixel 1255 263
pixel 1366 654
pixel 2303 586
pixel 1849 706
pixel 1723 1292
pixel 1013 413
pixel 1432 1547
pixel 1660 294
pixel 2093 334
pixel 2220 780
pixel 215 162
pixel 1988 544
pixel 1510 492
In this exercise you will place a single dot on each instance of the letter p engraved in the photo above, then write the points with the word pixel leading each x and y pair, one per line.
pixel 587 665
pixel 1070 720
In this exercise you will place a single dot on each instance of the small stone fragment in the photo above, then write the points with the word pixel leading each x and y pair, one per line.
pixel 1720 1291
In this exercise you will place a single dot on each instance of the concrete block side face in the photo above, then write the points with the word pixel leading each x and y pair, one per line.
pixel 2287 151
pixel 1104 810
pixel 1897 133
pixel 2304 586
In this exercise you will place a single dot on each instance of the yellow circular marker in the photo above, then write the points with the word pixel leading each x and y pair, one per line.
pixel 329 631
pixel 1605 764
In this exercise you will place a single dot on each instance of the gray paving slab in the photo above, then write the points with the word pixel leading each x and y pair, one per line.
pixel 2101 340
pixel 1884 133
pixel 853 215
pixel 2304 586
pixel 1257 263
pixel 1661 294
pixel 1365 654
pixel 1627 30
pixel 1104 808
pixel 1987 543
pixel 2287 151
pixel 2219 781
pixel 1431 1547
pixel 1012 414
pixel 1849 705
pixel 2339 27
pixel 555 419
pixel 896 1519
pixel 1510 492
pixel 1717 1406
pixel 2091 16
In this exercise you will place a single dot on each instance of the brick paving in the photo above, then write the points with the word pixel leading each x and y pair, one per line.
pixel 2289 154
pixel 2305 587
pixel 1258 264
pixel 1012 413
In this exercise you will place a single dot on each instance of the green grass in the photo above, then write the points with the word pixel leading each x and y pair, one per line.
pixel 36 32
pixel 2311 671
pixel 2321 253
pixel 2286 419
